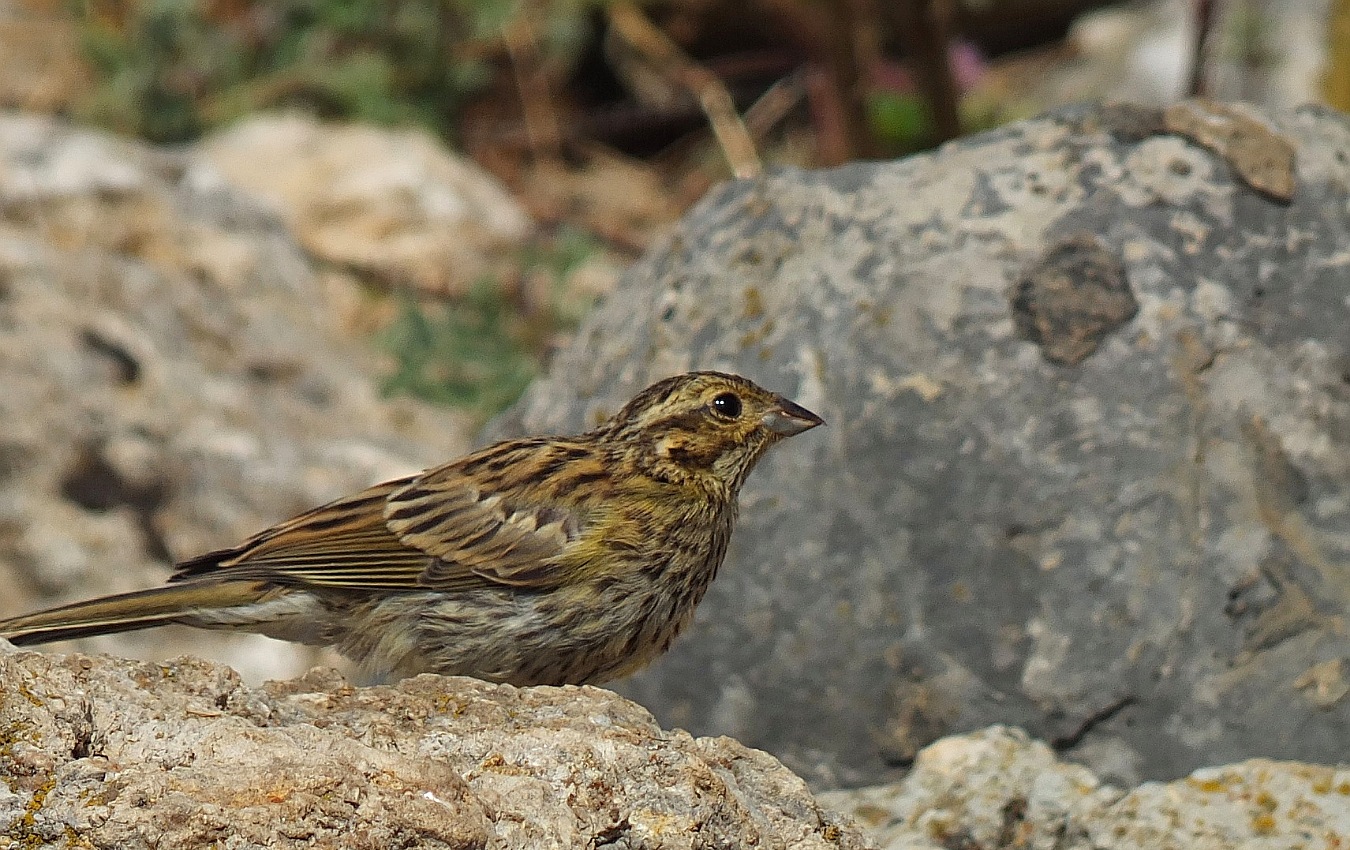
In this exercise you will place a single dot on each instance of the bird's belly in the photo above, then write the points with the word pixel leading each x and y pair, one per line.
pixel 293 616
pixel 588 633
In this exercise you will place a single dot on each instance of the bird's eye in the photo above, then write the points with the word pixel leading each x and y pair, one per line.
pixel 727 405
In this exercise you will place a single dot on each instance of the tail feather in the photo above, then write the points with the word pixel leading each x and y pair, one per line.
pixel 125 612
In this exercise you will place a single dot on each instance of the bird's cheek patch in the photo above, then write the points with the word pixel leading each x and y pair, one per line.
pixel 673 448
pixel 681 450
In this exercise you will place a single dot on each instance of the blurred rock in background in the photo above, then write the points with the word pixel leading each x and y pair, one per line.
pixel 176 378
pixel 394 207
pixel 1269 54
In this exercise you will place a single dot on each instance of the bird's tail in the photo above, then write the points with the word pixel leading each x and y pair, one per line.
pixel 125 612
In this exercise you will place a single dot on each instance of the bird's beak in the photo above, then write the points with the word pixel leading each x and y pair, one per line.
pixel 789 418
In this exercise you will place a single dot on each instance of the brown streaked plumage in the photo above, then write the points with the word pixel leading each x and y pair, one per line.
pixel 548 560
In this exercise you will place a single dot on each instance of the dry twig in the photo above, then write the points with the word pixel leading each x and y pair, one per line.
pixel 737 147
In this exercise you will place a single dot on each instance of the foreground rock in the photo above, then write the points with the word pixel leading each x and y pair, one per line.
pixel 97 751
pixel 1088 386
pixel 174 379
pixel 998 788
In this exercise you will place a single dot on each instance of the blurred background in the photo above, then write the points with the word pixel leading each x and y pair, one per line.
pixel 595 124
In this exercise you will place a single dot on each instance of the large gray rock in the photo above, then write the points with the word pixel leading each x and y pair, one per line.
pixel 101 752
pixel 1128 536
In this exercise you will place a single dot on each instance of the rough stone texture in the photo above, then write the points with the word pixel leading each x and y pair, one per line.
pixel 173 380
pixel 1141 557
pixel 998 788
pixel 391 204
pixel 106 753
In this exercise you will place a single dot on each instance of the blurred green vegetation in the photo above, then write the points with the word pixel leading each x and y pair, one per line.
pixel 169 70
pixel 481 352
pixel 466 354
pixel 902 122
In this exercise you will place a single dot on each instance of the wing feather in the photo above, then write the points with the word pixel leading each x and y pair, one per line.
pixel 343 544
pixel 444 529
pixel 462 514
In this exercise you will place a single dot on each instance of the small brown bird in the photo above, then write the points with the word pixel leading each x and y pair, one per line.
pixel 549 560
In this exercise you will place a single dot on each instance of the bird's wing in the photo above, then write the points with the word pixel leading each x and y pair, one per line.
pixel 473 525
pixel 441 530
pixel 344 543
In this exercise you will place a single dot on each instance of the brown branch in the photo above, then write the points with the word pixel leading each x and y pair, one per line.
pixel 1204 24
pixel 760 119
pixel 737 147
pixel 841 39
pixel 774 105
pixel 542 127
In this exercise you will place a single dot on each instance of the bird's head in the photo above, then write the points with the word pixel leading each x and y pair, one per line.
pixel 706 427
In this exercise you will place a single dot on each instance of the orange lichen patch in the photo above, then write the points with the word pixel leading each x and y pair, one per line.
pixel 1263 824
pixel 1209 786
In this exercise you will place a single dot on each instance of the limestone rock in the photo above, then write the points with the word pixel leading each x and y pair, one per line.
pixel 1126 536
pixel 391 204
pixel 173 380
pixel 998 788
pixel 96 751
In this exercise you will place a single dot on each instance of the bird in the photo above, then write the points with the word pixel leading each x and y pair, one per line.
pixel 536 561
